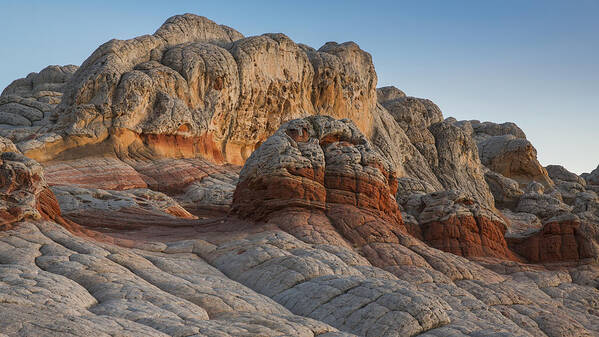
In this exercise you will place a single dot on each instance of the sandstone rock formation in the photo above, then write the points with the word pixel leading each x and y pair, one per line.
pixel 504 149
pixel 21 182
pixel 198 88
pixel 327 167
pixel 357 211
pixel 30 101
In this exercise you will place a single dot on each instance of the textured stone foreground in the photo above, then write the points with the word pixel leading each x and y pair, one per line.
pixel 196 182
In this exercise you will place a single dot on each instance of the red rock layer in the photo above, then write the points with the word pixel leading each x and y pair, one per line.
pixel 94 172
pixel 172 175
pixel 128 218
pixel 328 200
pixel 468 236
pixel 49 209
pixel 559 241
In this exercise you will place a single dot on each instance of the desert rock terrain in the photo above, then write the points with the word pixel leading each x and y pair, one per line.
pixel 197 182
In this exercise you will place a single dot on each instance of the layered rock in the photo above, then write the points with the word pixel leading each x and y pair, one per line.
pixel 567 183
pixel 560 239
pixel 449 153
pixel 195 88
pixel 455 223
pixel 322 168
pixel 325 166
pixel 130 209
pixel 506 191
pixel 30 101
pixel 514 158
pixel 21 183
pixel 196 184
pixel 334 227
pixel 414 115
pixel 458 163
pixel 504 149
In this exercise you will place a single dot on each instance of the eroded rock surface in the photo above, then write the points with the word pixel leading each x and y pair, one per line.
pixel 322 168
pixel 358 211
pixel 196 88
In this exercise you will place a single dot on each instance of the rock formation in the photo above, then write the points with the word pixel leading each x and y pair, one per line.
pixel 196 182
pixel 323 168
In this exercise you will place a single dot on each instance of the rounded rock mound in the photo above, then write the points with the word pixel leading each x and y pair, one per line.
pixel 327 168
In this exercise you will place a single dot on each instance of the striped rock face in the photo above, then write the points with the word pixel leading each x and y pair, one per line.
pixel 325 166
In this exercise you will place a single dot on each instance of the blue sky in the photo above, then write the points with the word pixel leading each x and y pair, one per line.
pixel 532 62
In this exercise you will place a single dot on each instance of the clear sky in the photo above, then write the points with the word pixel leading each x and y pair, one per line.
pixel 535 63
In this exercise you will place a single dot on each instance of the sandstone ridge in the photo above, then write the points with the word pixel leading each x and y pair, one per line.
pixel 196 182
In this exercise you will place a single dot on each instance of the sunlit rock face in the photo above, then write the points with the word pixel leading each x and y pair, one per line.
pixel 196 182
pixel 196 88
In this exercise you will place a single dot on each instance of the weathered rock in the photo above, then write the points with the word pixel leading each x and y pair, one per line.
pixel 47 83
pixel 567 183
pixel 324 165
pixel 21 182
pixel 29 101
pixel 520 225
pixel 130 209
pixel 506 191
pixel 388 93
pixel 586 202
pixel 344 84
pixel 459 167
pixel 332 221
pixel 557 172
pixel 537 202
pixel 485 130
pixel 422 121
pixel 197 184
pixel 593 177
pixel 414 116
pixel 560 239
pixel 7 146
pixel 94 172
pixel 195 88
pixel 514 158
pixel 391 142
pixel 455 223
pixel 504 149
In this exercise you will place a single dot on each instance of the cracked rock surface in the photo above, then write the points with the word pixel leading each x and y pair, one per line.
pixel 196 182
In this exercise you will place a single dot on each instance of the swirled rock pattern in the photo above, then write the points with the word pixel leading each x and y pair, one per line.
pixel 198 88
pixel 357 211
pixel 325 165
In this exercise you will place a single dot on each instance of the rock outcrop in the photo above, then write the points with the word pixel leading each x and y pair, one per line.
pixel 29 101
pixel 21 183
pixel 357 211
pixel 503 148
pixel 325 166
pixel 322 168
pixel 449 153
pixel 455 223
pixel 195 88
